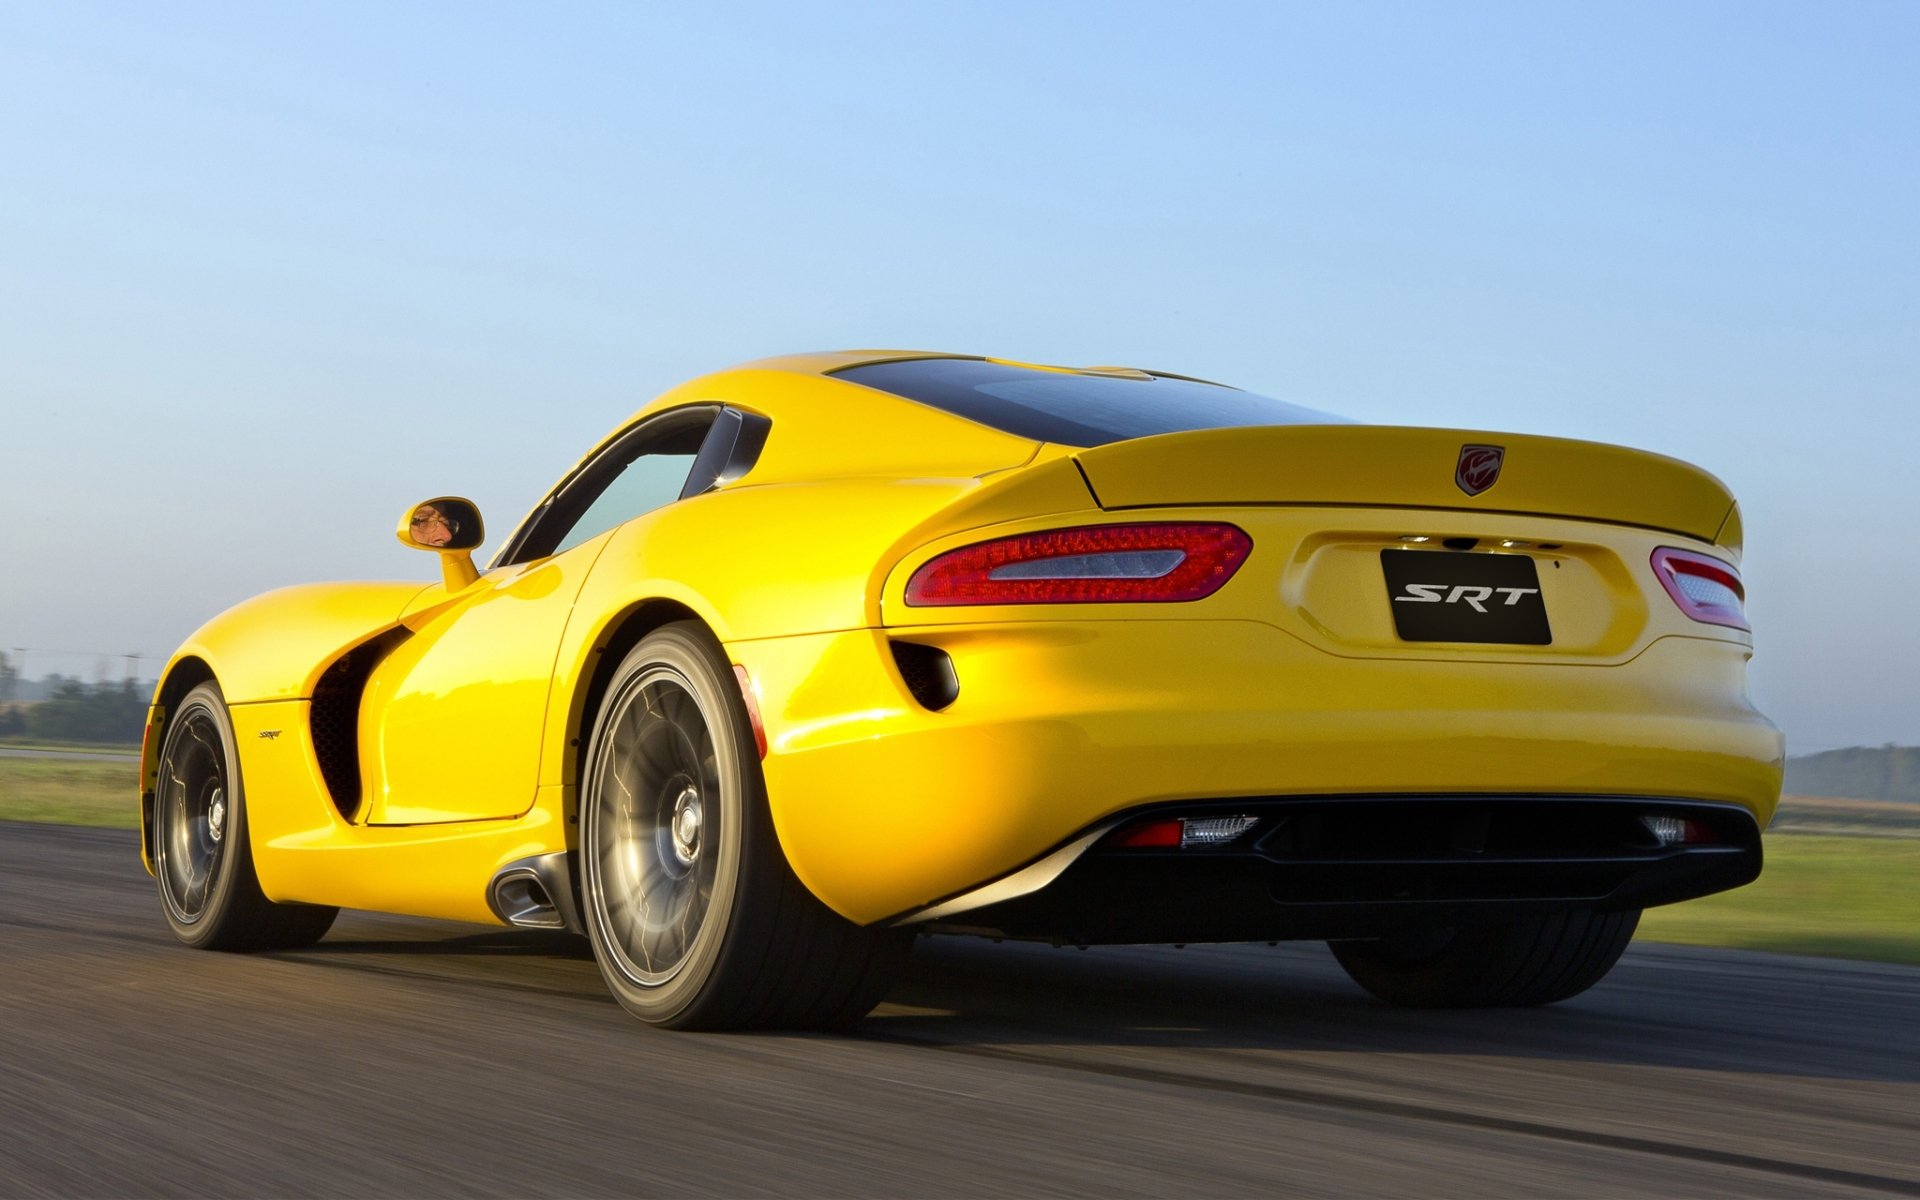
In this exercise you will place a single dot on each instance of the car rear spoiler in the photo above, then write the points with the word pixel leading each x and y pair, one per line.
pixel 1375 466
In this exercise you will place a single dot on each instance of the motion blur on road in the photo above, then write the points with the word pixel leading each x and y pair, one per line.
pixel 407 1057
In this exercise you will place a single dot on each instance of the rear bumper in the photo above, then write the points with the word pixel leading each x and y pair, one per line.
pixel 1353 867
pixel 885 808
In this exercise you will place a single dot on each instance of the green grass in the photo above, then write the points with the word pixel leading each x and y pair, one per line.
pixel 70 793
pixel 1840 897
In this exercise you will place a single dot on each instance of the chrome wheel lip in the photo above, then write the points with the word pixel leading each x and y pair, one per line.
pixel 192 807
pixel 651 842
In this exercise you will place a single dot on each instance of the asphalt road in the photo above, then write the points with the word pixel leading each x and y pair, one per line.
pixel 419 1058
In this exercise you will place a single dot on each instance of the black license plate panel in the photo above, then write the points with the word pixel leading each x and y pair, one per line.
pixel 1459 596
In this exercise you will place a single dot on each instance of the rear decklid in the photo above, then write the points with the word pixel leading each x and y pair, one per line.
pixel 1375 466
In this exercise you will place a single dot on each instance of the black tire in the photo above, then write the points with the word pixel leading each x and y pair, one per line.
pixel 695 917
pixel 201 854
pixel 1516 964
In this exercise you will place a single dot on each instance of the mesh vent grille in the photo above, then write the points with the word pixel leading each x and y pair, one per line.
pixel 928 674
pixel 335 719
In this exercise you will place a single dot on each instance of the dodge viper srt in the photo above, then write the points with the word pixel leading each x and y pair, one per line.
pixel 822 652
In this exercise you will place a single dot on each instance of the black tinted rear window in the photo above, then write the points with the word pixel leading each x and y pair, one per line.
pixel 1074 409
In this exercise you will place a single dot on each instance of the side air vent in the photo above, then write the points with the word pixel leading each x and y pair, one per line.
pixel 929 674
pixel 335 718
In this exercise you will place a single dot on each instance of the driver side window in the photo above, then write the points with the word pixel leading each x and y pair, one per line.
pixel 645 470
pixel 653 480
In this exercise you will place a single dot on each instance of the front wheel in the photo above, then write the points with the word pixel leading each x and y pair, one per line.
pixel 201 857
pixel 1515 964
pixel 695 917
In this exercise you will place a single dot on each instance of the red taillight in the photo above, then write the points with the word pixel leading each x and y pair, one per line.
pixel 1093 564
pixel 1163 834
pixel 1705 588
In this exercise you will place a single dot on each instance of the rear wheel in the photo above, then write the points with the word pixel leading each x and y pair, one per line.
pixel 201 857
pixel 696 919
pixel 1516 964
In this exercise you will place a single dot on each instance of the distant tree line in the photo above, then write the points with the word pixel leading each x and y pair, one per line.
pixel 1858 773
pixel 80 712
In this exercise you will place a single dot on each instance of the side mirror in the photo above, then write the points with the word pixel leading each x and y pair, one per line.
pixel 449 526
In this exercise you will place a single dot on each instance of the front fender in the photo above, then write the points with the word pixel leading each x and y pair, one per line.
pixel 274 646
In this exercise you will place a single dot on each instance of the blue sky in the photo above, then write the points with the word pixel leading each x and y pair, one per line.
pixel 272 272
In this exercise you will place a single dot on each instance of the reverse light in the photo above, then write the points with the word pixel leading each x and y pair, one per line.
pixel 1092 564
pixel 1214 831
pixel 1705 588
pixel 1670 830
pixel 1182 833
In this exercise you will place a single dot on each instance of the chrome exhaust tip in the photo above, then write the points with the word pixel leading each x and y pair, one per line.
pixel 535 893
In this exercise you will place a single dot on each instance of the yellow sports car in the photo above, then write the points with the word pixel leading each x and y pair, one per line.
pixel 820 652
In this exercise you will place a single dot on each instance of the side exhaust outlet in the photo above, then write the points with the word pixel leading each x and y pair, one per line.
pixel 536 893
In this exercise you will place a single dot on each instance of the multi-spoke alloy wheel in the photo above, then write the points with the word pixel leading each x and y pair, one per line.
pixel 695 917
pixel 190 802
pixel 661 828
pixel 208 889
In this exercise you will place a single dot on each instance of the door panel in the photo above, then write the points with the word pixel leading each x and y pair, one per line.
pixel 450 727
